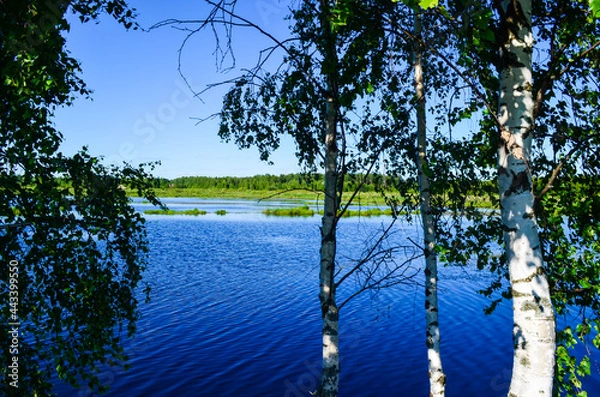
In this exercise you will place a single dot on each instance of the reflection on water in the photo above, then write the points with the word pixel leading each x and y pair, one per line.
pixel 235 312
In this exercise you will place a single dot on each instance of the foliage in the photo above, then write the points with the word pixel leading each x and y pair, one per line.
pixel 375 112
pixel 564 159
pixel 285 182
pixel 262 106
pixel 327 95
pixel 258 182
pixel 81 249
pixel 595 8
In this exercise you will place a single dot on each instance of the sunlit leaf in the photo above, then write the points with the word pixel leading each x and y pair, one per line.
pixel 425 4
pixel 595 7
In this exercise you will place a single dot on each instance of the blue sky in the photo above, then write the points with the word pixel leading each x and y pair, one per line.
pixel 141 109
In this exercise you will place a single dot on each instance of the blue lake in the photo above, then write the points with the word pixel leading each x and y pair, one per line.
pixel 235 312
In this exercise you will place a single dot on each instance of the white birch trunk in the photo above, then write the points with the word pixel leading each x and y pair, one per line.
pixel 533 314
pixel 330 374
pixel 437 378
pixel 331 359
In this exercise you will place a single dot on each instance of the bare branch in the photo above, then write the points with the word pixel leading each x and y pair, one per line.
pixel 561 164
pixel 359 187
pixel 289 190
pixel 393 275
pixel 550 77
pixel 377 256
pixel 15 225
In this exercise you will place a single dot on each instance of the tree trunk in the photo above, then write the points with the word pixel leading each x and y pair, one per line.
pixel 331 359
pixel 330 374
pixel 534 324
pixel 437 378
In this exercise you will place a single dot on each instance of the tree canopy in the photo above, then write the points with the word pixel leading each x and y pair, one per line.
pixel 465 51
pixel 344 92
pixel 75 246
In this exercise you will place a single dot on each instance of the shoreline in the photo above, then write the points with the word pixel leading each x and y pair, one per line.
pixel 297 195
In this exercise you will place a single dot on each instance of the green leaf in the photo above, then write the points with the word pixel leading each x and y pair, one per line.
pixel 425 4
pixel 595 8
pixel 445 12
pixel 584 368
pixel 585 284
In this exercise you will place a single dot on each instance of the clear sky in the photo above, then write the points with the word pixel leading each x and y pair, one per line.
pixel 141 109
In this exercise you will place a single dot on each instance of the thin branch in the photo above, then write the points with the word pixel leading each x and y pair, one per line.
pixel 560 165
pixel 287 191
pixel 550 78
pixel 555 173
pixel 379 284
pixel 15 225
pixel 456 90
pixel 359 187
pixel 277 42
pixel 369 254
pixel 464 76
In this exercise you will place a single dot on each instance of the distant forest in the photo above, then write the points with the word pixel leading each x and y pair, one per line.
pixel 272 182
pixel 482 190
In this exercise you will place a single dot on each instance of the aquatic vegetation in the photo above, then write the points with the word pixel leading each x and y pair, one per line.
pixel 295 211
pixel 194 212
pixel 306 211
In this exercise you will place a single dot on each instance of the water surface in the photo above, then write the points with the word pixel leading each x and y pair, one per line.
pixel 235 312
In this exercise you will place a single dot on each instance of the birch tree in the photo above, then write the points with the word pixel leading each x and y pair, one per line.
pixel 329 384
pixel 434 174
pixel 546 127
pixel 323 94
pixel 532 99
pixel 67 229
pixel 437 378
pixel 533 314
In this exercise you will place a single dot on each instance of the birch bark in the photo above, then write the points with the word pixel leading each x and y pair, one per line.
pixel 533 314
pixel 330 316
pixel 437 378
pixel 330 374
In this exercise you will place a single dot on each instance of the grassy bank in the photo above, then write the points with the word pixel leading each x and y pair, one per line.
pixel 367 198
pixel 296 211
pixel 194 212
pixel 300 195
pixel 306 211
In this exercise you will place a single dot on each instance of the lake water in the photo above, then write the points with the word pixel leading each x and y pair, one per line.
pixel 235 312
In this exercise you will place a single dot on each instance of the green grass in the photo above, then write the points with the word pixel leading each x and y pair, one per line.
pixel 306 211
pixel 194 212
pixel 365 198
pixel 220 212
pixel 304 196
pixel 297 211
pixel 368 212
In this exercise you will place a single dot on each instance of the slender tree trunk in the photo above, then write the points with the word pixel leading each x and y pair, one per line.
pixel 437 378
pixel 330 374
pixel 534 324
pixel 331 359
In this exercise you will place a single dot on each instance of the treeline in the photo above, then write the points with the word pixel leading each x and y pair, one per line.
pixel 273 182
